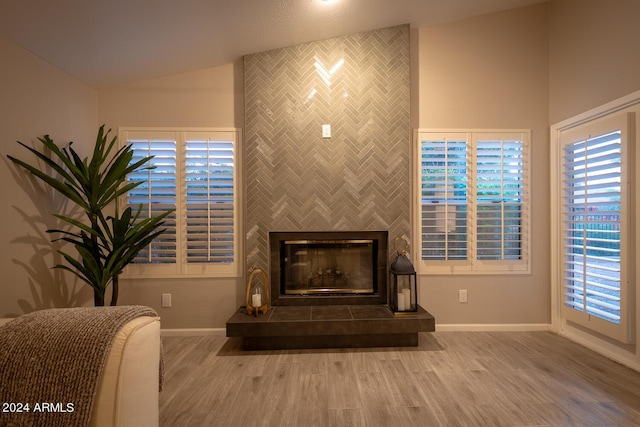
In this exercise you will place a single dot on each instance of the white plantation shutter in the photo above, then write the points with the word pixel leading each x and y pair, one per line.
pixel 473 201
pixel 499 198
pixel 209 176
pixel 195 174
pixel 157 194
pixel 444 198
pixel 595 230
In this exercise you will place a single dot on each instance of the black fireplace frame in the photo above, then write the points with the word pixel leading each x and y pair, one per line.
pixel 381 274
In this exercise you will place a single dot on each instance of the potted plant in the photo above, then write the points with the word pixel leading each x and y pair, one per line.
pixel 105 244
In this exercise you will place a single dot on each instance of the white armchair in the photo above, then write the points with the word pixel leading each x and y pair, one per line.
pixel 97 366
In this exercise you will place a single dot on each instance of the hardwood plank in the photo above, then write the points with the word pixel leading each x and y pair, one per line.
pixel 342 385
pixel 441 401
pixel 311 401
pixel 450 379
pixel 346 418
pixel 282 391
pixel 373 390
pixel 402 389
pixel 416 415
pixel 385 415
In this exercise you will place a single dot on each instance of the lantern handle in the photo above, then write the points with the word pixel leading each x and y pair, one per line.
pixel 406 245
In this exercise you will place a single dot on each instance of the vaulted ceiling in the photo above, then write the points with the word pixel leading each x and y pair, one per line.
pixel 107 42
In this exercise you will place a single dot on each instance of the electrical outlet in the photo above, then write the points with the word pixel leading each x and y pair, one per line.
pixel 166 300
pixel 462 295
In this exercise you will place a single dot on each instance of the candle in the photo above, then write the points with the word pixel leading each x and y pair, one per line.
pixel 256 300
pixel 400 302
pixel 407 298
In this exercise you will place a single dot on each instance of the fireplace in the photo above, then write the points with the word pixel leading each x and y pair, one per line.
pixel 328 290
pixel 328 268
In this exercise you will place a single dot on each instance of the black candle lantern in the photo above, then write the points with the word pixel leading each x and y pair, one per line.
pixel 403 297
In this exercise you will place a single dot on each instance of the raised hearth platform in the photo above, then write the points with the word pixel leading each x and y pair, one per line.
pixel 334 326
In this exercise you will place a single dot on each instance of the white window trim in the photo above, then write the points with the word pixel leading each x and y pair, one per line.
pixel 180 269
pixel 560 323
pixel 472 266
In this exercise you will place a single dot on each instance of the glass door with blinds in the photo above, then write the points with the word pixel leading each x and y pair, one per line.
pixel 595 226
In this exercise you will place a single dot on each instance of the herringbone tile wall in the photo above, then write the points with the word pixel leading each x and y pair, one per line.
pixel 359 179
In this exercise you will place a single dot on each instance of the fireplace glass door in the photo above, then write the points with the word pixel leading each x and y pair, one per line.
pixel 325 267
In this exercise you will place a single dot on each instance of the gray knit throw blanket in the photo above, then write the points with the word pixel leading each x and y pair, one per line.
pixel 55 357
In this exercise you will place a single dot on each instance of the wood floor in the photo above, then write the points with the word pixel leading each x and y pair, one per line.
pixel 452 379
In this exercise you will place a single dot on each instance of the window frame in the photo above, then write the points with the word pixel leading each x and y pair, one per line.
pixel 472 265
pixel 182 269
pixel 582 127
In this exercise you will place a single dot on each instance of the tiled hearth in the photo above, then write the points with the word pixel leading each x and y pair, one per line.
pixel 337 326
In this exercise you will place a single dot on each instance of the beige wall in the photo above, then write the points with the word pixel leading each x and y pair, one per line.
pixel 206 98
pixel 195 303
pixel 491 72
pixel 37 99
pixel 594 59
pixel 594 54
pixel 500 56
pixel 523 68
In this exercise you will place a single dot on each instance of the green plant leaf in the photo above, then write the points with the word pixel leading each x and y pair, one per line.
pixel 104 244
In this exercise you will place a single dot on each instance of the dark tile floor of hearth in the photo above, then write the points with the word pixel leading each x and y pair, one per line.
pixel 344 324
pixel 341 312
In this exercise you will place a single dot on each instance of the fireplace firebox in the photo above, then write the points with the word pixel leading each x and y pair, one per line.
pixel 328 268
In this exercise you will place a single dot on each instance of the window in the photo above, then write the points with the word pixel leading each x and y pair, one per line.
pixel 195 174
pixel 594 232
pixel 473 201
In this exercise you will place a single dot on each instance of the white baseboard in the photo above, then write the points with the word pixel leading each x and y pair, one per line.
pixel 515 327
pixel 617 355
pixel 192 332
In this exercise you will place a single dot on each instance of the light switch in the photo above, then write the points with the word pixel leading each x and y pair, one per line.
pixel 326 131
